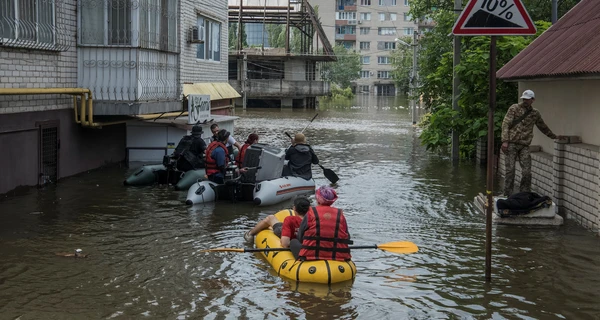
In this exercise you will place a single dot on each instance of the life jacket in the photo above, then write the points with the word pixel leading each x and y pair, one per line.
pixel 211 164
pixel 239 160
pixel 325 237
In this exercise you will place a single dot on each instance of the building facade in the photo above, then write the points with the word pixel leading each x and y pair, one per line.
pixel 371 28
pixel 75 74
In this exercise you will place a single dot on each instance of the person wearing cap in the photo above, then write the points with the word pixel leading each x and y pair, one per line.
pixel 252 139
pixel 216 158
pixel 517 133
pixel 286 230
pixel 323 233
pixel 190 150
pixel 231 142
pixel 300 156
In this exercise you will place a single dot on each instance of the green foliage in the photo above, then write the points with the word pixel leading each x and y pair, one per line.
pixel 339 93
pixel 436 68
pixel 402 65
pixel 233 36
pixel 276 33
pixel 344 70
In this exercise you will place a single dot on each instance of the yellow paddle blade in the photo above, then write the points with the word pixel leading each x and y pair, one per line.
pixel 399 247
pixel 223 250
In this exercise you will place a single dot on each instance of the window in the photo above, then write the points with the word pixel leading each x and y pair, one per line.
pixel 393 17
pixel 394 2
pixel 366 60
pixel 384 74
pixel 348 45
pixel 363 89
pixel 408 31
pixel 365 30
pixel 365 74
pixel 211 48
pixel 106 24
pixel 365 45
pixel 158 25
pixel 386 31
pixel 345 15
pixel 28 20
pixel 407 17
pixel 406 3
pixel 384 60
pixel 365 16
pixel 345 30
pixel 386 45
pixel 382 16
pixel 365 2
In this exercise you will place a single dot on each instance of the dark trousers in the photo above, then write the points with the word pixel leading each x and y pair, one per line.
pixel 295 247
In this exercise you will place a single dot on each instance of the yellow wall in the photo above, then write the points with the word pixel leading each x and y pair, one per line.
pixel 569 107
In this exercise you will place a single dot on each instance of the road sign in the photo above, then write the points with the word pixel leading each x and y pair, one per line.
pixel 495 18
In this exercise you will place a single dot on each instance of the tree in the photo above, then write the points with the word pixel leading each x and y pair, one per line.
pixel 233 36
pixel 402 65
pixel 344 70
pixel 276 33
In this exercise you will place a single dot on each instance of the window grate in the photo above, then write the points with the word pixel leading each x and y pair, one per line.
pixel 49 145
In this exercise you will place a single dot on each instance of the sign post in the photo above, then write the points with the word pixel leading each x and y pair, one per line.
pixel 198 108
pixel 492 18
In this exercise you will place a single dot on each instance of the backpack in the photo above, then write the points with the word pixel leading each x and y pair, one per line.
pixel 522 203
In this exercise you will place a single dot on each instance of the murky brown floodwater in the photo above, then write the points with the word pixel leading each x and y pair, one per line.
pixel 144 242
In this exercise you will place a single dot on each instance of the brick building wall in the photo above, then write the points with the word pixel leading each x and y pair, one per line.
pixel 24 68
pixel 194 70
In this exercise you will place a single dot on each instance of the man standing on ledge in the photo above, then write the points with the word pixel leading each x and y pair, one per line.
pixel 517 133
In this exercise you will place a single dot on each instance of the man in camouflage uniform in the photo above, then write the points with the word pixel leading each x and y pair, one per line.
pixel 517 133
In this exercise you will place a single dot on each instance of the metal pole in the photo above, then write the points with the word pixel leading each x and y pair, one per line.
pixel 287 30
pixel 413 80
pixel 455 86
pixel 490 163
pixel 239 30
pixel 554 11
pixel 244 80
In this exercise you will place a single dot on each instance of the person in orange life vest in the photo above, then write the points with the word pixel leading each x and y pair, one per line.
pixel 231 142
pixel 252 139
pixel 287 229
pixel 216 158
pixel 323 233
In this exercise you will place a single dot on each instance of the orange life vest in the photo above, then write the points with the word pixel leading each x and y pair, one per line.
pixel 326 236
pixel 211 164
pixel 239 160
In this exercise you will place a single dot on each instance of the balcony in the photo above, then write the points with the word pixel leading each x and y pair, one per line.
pixel 257 88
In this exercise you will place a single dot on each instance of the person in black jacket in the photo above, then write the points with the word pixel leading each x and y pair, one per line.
pixel 300 156
pixel 190 150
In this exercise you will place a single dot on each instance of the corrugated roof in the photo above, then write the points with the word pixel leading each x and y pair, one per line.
pixel 216 90
pixel 571 47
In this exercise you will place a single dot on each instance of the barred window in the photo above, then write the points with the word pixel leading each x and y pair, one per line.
pixel 28 21
pixel 211 48
pixel 105 22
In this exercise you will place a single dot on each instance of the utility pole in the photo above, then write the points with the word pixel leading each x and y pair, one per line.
pixel 413 80
pixel 554 11
pixel 455 86
pixel 244 80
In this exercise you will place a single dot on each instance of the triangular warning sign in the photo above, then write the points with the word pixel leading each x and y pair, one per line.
pixel 495 18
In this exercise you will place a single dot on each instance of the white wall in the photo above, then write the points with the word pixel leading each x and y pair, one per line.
pixel 569 107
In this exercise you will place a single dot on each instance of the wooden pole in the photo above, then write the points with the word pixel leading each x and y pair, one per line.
pixel 490 163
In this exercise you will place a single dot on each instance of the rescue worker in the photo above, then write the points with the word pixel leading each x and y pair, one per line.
pixel 252 139
pixel 216 158
pixel 323 233
pixel 300 156
pixel 190 150
pixel 231 142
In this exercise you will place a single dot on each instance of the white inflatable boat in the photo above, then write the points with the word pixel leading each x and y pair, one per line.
pixel 262 184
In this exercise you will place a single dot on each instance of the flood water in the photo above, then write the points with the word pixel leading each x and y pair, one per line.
pixel 143 243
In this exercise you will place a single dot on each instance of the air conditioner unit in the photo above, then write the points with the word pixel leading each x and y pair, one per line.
pixel 359 21
pixel 371 73
pixel 196 34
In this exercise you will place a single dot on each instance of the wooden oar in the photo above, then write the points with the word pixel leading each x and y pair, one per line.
pixel 395 247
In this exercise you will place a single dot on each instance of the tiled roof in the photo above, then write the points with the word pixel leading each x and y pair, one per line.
pixel 571 47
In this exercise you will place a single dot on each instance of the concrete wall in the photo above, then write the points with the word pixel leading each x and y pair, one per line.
pixel 194 70
pixel 23 68
pixel 294 70
pixel 81 149
pixel 569 107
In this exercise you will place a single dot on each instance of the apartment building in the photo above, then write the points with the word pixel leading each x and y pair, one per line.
pixel 371 28
pixel 75 75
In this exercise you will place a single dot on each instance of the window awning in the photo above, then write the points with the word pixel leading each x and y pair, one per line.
pixel 216 90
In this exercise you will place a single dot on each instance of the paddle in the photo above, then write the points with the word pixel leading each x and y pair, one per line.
pixel 328 173
pixel 311 120
pixel 394 247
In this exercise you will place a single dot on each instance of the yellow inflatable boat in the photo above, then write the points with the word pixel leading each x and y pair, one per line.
pixel 316 271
